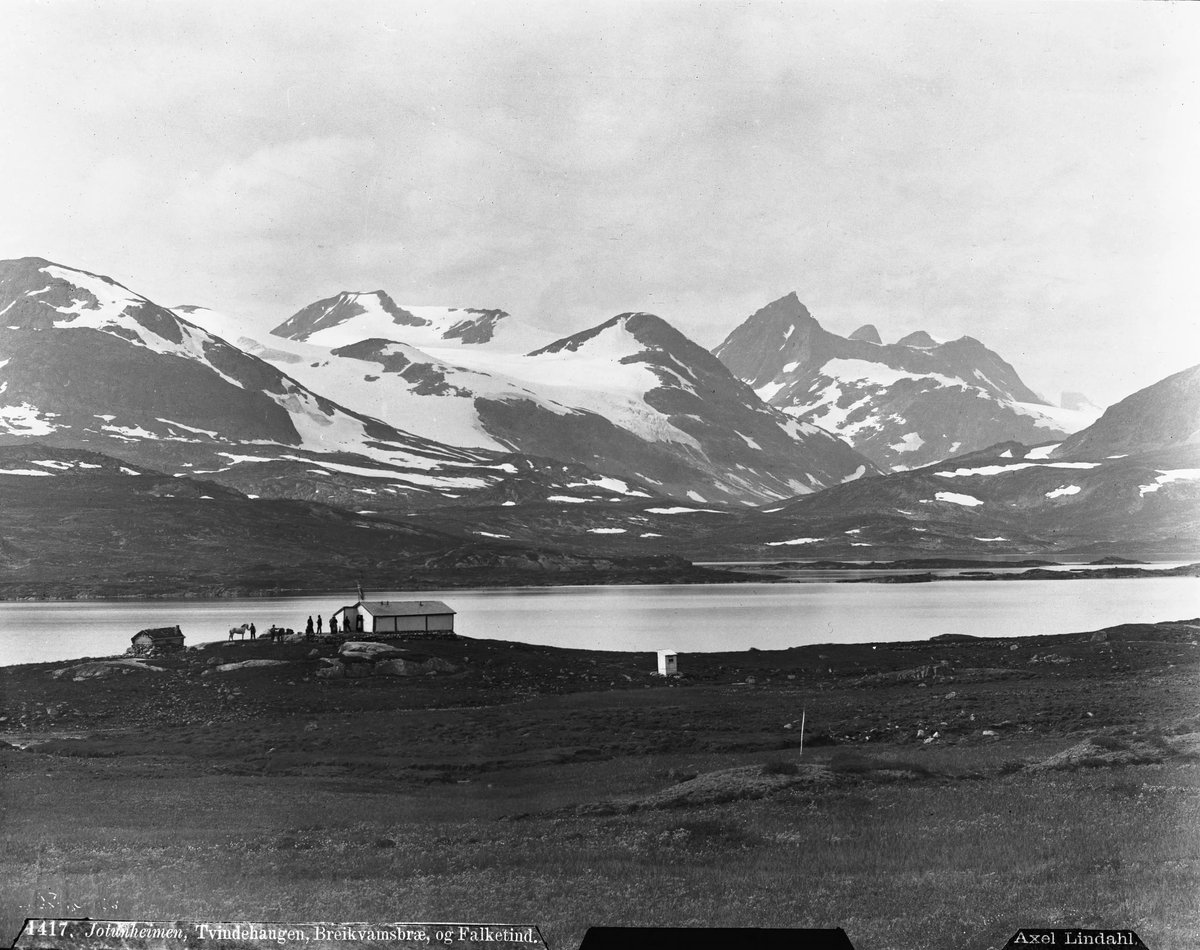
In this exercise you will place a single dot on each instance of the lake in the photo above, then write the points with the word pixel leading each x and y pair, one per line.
pixel 678 617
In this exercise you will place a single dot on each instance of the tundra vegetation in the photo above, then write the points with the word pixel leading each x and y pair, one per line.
pixel 948 793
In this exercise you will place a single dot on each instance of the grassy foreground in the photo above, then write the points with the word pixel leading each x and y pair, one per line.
pixel 567 788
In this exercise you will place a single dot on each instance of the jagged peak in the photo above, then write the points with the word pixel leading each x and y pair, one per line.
pixel 788 307
pixel 867 333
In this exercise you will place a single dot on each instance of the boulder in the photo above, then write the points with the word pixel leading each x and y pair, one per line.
pixel 101 668
pixel 333 671
pixel 368 650
pixel 247 664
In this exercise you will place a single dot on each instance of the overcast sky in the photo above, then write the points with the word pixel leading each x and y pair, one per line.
pixel 1023 173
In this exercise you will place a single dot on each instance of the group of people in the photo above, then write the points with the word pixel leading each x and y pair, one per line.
pixel 278 633
pixel 308 628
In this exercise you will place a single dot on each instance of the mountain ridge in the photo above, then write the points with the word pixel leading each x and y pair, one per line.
pixel 631 396
pixel 901 404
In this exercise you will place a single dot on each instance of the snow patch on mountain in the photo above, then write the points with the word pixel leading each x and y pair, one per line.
pixel 880 374
pixel 910 442
pixel 1174 475
pixel 955 498
pixel 25 419
pixel 1014 467
pixel 1055 417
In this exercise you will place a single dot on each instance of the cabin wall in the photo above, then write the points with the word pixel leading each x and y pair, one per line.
pixel 383 624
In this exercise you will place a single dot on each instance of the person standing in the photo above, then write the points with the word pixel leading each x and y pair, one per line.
pixel 308 629
pixel 318 625
pixel 253 634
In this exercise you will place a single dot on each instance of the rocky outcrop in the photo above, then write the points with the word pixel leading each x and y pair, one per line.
pixel 927 673
pixel 358 659
pixel 246 665
pixel 99 669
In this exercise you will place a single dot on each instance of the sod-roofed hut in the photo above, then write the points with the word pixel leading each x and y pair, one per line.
pixel 155 641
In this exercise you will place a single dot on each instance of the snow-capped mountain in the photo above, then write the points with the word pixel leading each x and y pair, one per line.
pixel 1161 416
pixel 86 362
pixel 693 417
pixel 350 317
pixel 632 398
pixel 903 404
pixel 1128 484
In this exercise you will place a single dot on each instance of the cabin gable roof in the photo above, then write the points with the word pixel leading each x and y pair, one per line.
pixel 402 608
pixel 159 634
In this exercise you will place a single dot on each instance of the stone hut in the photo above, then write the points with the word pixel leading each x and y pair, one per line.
pixel 155 641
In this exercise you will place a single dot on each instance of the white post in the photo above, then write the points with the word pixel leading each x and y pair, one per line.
pixel 802 714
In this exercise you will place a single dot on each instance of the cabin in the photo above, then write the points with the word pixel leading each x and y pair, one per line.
pixel 668 663
pixel 412 618
pixel 157 640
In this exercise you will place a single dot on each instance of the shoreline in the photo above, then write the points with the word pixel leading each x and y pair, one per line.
pixel 326 645
pixel 701 574
pixel 1032 574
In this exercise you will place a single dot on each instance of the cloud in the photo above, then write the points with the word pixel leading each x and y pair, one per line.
pixel 1010 171
pixel 311 185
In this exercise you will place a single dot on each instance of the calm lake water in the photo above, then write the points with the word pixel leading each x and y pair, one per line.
pixel 678 617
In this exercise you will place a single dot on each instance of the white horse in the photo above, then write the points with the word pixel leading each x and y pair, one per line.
pixel 240 632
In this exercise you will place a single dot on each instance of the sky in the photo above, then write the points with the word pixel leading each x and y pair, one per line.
pixel 1020 172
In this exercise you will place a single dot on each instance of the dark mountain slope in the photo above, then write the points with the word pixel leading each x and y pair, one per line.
pixel 82 524
pixel 1161 416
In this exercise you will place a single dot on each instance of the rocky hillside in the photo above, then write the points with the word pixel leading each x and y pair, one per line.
pixel 902 404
